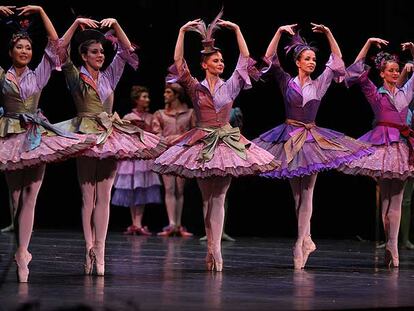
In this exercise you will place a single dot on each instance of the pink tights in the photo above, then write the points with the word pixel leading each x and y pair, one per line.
pixel 174 198
pixel 24 186
pixel 213 191
pixel 96 178
pixel 391 191
pixel 302 188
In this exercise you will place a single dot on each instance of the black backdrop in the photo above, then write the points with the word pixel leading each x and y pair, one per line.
pixel 344 206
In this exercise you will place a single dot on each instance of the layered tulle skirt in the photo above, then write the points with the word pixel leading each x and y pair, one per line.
pixel 312 157
pixel 25 143
pixel 387 161
pixel 183 159
pixel 136 184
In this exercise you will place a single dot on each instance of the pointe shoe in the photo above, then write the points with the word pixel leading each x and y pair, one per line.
pixel 217 261
pixel 167 231
pixel 226 237
pixel 131 230
pixel 391 258
pixel 209 262
pixel 298 256
pixel 89 262
pixel 98 254
pixel 408 245
pixel 182 231
pixel 22 262
pixel 214 262
pixel 143 231
pixel 308 247
pixel 7 229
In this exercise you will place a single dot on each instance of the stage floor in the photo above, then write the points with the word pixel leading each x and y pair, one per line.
pixel 152 273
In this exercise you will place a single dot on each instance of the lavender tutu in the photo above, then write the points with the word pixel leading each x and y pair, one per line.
pixel 311 158
pixel 136 184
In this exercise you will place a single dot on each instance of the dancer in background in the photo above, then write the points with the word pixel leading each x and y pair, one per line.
pixel 136 185
pixel 171 122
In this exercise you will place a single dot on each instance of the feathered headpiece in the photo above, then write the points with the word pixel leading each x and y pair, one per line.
pixel 382 58
pixel 298 45
pixel 207 34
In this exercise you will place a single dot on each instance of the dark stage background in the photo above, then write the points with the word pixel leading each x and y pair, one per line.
pixel 344 206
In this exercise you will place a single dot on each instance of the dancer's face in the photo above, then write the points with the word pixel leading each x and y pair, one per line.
pixel 391 73
pixel 306 62
pixel 169 96
pixel 143 101
pixel 95 56
pixel 214 64
pixel 21 53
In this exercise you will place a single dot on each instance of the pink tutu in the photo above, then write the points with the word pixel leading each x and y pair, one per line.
pixel 183 161
pixel 122 145
pixel 387 161
pixel 51 149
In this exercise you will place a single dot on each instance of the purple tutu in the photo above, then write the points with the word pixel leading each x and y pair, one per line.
pixel 136 184
pixel 311 158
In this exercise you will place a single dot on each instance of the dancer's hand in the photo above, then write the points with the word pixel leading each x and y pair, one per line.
pixel 407 46
pixel 87 22
pixel 191 24
pixel 108 22
pixel 289 29
pixel 227 24
pixel 378 42
pixel 320 28
pixel 6 10
pixel 29 9
pixel 409 67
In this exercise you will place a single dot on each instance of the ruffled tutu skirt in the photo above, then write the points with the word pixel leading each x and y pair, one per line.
pixel 311 158
pixel 121 145
pixel 51 149
pixel 183 160
pixel 136 184
pixel 387 161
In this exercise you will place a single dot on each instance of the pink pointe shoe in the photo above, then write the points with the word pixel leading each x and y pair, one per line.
pixel 298 256
pixel 214 262
pixel 308 247
pixel 89 261
pixel 22 262
pixel 98 253
pixel 391 256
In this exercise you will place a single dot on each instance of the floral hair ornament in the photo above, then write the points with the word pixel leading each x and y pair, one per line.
pixel 207 34
pixel 19 24
pixel 382 58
